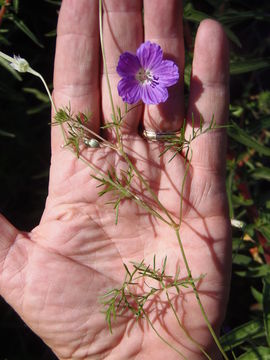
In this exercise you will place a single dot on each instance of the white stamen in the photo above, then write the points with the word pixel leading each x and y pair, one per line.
pixel 145 77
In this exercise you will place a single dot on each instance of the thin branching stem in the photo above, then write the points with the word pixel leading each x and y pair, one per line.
pixel 135 197
pixel 104 141
pixel 106 71
pixel 46 87
pixel 185 331
pixel 122 152
pixel 155 330
pixel 161 337
pixel 183 187
pixel 152 193
pixel 198 297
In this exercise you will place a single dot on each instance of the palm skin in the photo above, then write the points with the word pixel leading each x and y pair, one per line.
pixel 55 275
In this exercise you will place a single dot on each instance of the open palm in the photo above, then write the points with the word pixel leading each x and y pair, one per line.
pixel 54 276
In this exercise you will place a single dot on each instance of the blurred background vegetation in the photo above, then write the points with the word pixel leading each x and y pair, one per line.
pixel 27 28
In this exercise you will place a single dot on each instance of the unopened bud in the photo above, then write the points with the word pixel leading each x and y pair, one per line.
pixel 20 64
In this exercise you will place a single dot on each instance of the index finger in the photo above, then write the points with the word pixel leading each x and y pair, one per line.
pixel 76 69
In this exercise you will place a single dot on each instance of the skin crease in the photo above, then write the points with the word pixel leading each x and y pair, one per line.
pixel 54 275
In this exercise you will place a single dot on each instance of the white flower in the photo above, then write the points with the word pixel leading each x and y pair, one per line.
pixel 20 64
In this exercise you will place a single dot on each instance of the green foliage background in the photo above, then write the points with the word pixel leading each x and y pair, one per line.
pixel 28 29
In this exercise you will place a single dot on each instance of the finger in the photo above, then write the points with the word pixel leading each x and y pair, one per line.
pixel 122 31
pixel 76 70
pixel 209 95
pixel 163 25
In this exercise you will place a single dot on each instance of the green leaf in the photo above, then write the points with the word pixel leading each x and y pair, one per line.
pixel 265 230
pixel 255 272
pixel 231 35
pixel 244 66
pixel 258 353
pixel 232 17
pixel 16 6
pixel 37 109
pixel 4 40
pixel 6 65
pixel 238 244
pixel 262 173
pixel 193 15
pixel 229 186
pixel 54 2
pixel 39 95
pixel 51 33
pixel 266 306
pixel 196 16
pixel 246 332
pixel 24 28
pixel 187 74
pixel 239 135
pixel 240 259
pixel 7 134
pixel 263 123
pixel 257 295
pixel 240 200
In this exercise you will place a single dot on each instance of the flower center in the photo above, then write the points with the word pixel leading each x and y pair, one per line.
pixel 145 77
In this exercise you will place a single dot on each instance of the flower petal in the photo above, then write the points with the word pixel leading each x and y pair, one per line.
pixel 129 89
pixel 150 55
pixel 167 73
pixel 153 96
pixel 128 64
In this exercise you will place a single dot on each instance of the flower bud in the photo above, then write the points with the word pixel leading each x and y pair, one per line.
pixel 20 64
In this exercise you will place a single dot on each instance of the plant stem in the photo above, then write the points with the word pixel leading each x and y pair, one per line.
pixel 156 332
pixel 33 72
pixel 133 196
pixel 161 337
pixel 198 297
pixel 145 183
pixel 104 141
pixel 137 200
pixel 122 152
pixel 182 188
pixel 106 70
pixel 185 331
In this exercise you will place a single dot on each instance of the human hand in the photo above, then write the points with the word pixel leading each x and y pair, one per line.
pixel 54 275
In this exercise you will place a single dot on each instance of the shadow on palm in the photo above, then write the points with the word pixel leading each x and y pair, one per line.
pixel 79 227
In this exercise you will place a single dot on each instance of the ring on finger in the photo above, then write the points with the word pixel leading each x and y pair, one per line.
pixel 152 135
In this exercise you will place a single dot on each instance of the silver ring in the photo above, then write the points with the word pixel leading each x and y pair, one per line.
pixel 92 143
pixel 152 135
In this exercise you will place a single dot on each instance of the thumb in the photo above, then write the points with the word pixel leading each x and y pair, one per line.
pixel 12 260
pixel 8 234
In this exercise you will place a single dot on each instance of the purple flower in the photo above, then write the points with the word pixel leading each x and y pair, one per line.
pixel 146 76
